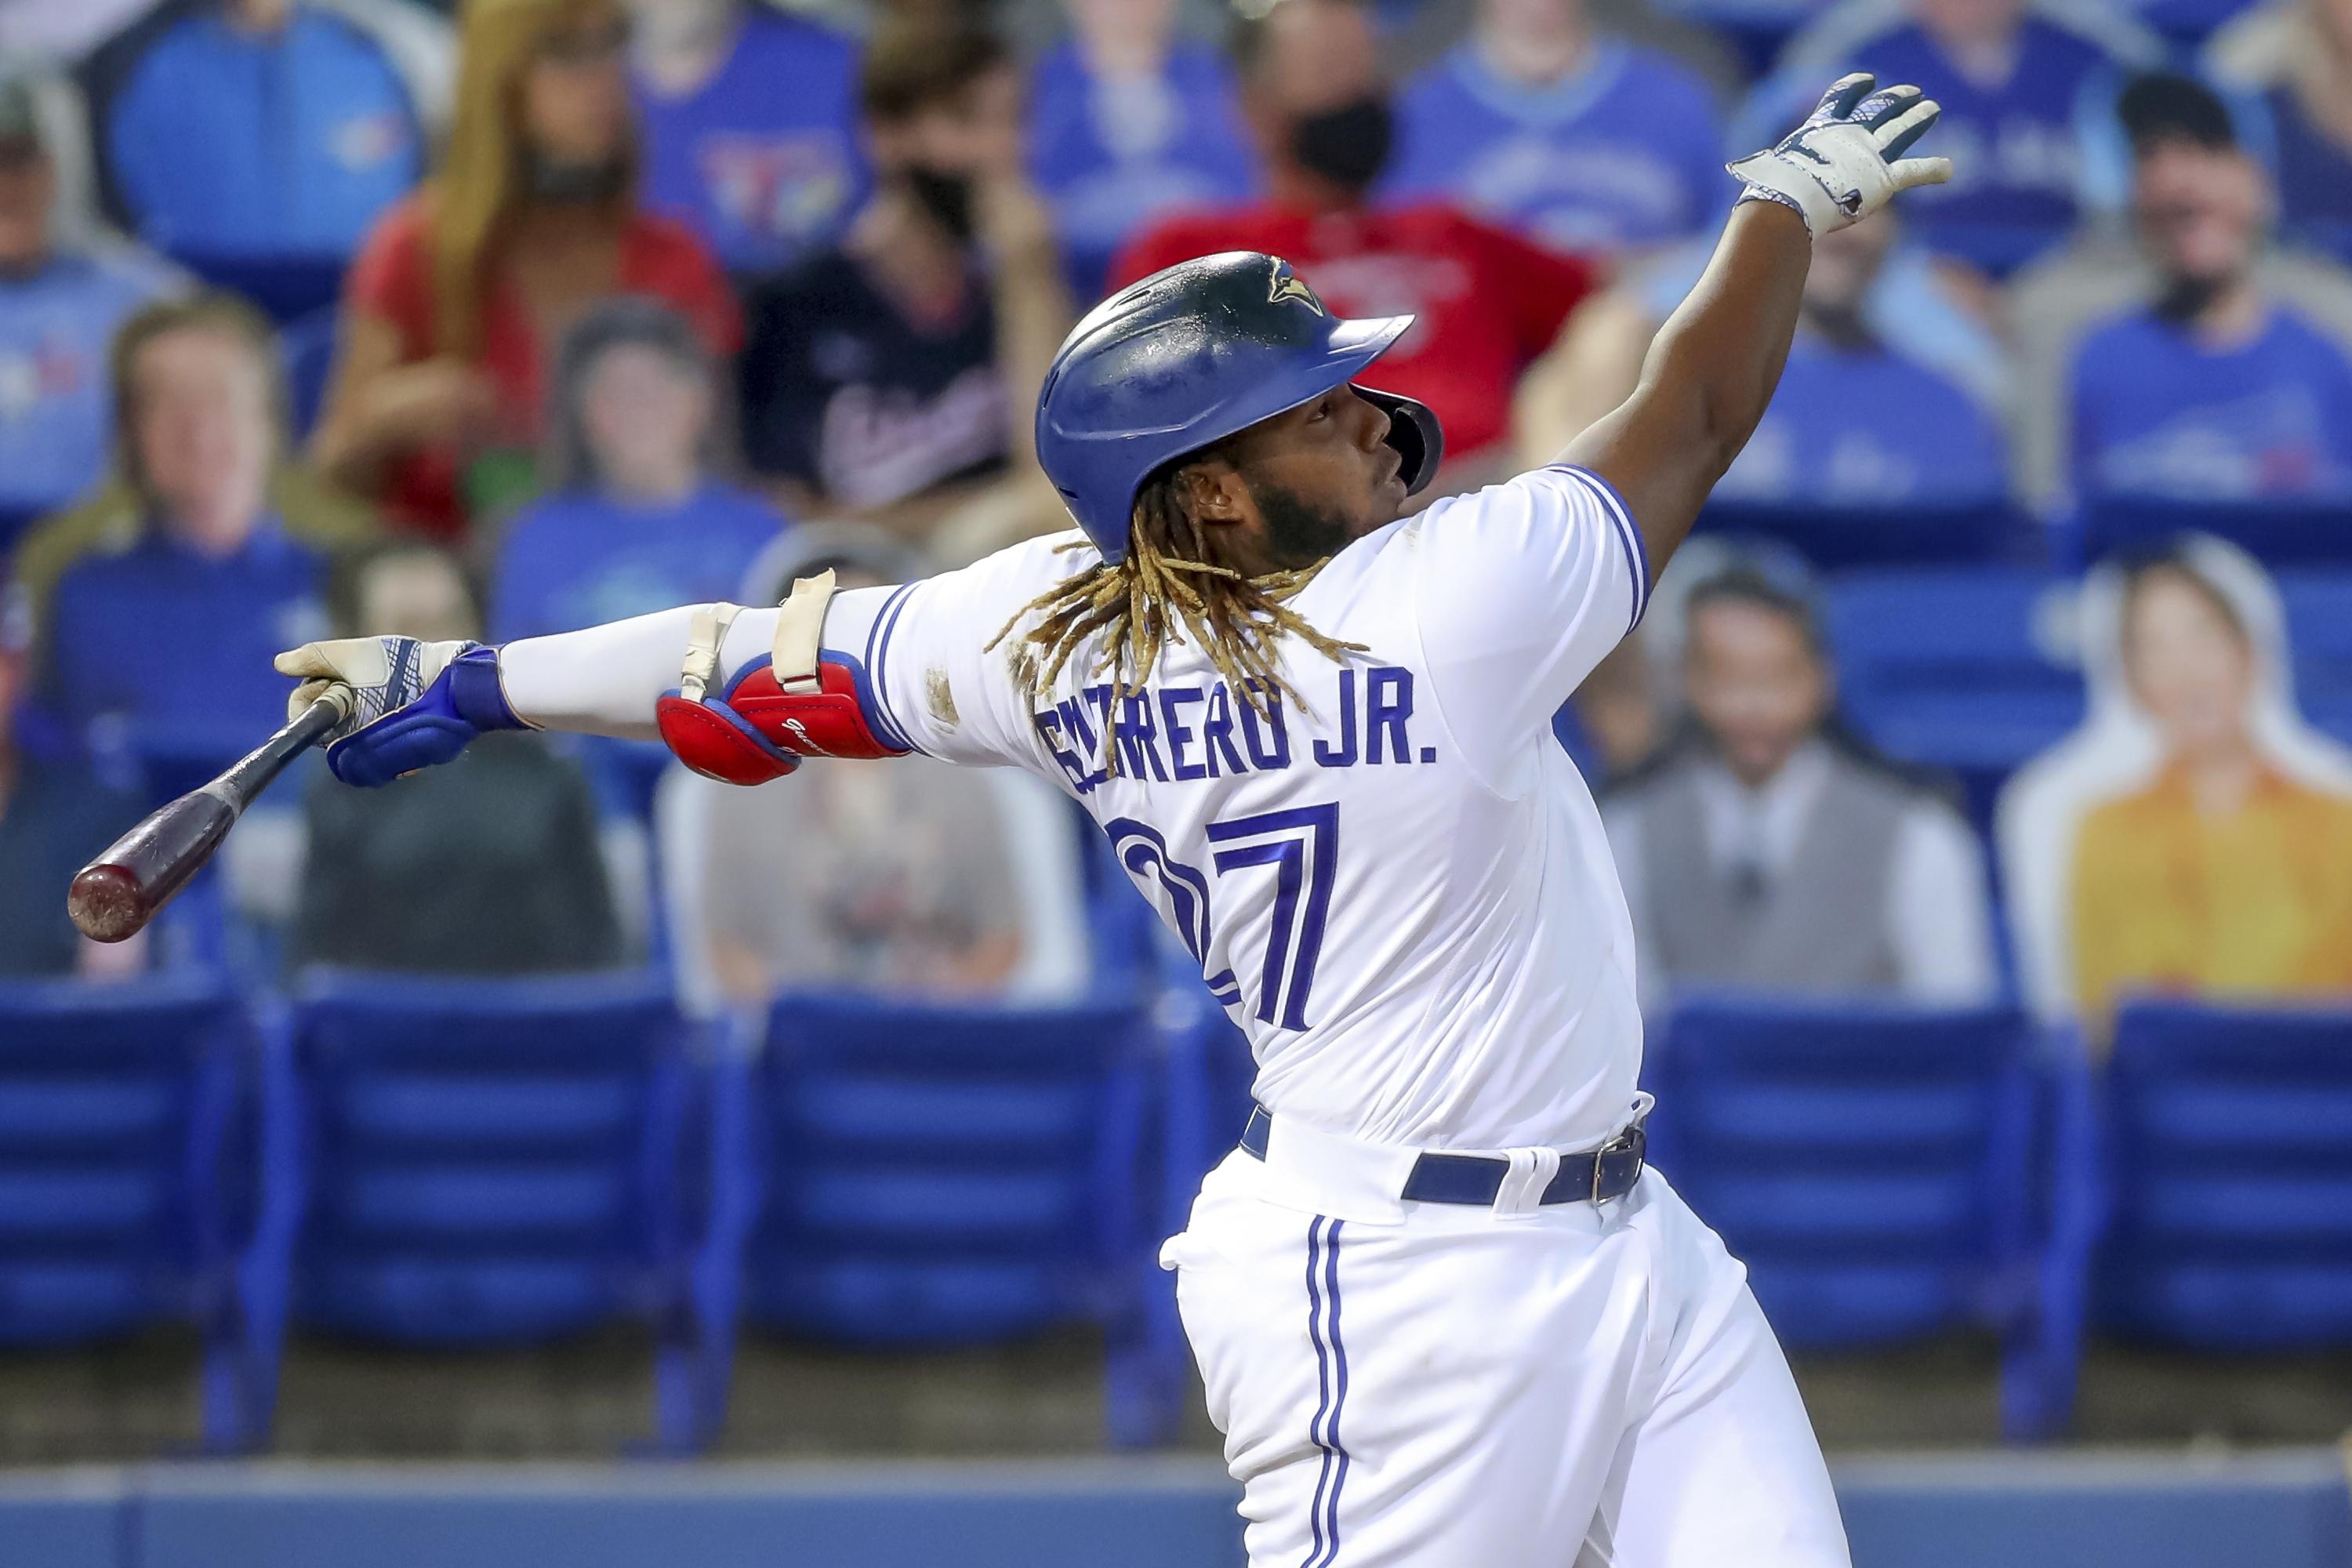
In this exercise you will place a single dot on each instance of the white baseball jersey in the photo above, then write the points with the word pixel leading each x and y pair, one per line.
pixel 1399 889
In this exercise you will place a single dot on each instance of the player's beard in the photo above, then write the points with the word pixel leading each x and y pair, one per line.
pixel 1298 531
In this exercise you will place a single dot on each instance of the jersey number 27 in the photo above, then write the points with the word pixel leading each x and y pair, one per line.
pixel 1300 845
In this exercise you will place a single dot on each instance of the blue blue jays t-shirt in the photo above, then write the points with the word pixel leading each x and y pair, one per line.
pixel 55 406
pixel 234 145
pixel 1862 426
pixel 176 646
pixel 762 161
pixel 1626 154
pixel 578 559
pixel 2018 149
pixel 2157 412
pixel 1112 155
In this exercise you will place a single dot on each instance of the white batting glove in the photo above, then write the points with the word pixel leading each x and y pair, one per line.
pixel 418 703
pixel 1846 161
pixel 386 674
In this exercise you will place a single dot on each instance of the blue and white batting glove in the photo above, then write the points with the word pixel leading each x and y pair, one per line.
pixel 419 703
pixel 1846 161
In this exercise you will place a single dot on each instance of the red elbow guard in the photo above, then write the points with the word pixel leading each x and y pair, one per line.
pixel 760 732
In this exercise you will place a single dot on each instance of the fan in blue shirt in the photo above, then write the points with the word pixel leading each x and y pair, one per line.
pixel 2214 391
pixel 159 641
pixel 59 311
pixel 2027 100
pixel 1127 124
pixel 748 121
pixel 1583 144
pixel 261 129
pixel 636 522
pixel 1856 422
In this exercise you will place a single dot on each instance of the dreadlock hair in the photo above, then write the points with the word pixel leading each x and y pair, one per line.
pixel 1165 589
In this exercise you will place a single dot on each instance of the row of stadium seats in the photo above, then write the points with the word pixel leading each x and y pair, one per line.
pixel 487 1165
pixel 502 1164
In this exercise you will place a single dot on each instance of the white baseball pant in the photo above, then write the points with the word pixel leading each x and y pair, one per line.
pixel 1443 1386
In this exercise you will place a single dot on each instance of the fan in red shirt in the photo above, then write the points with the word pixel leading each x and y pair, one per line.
pixel 1488 301
pixel 451 310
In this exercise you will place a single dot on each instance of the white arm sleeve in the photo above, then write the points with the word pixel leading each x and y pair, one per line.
pixel 606 680
pixel 925 682
pixel 1937 915
pixel 1521 589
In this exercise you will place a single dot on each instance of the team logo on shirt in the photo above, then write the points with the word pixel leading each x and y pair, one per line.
pixel 1288 285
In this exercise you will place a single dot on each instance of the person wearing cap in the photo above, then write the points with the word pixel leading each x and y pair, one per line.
pixel 60 306
pixel 2213 389
pixel 54 815
pixel 1766 850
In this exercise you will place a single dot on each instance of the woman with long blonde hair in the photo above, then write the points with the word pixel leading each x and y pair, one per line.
pixel 451 310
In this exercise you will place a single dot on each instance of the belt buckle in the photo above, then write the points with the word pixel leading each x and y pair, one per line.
pixel 1632 1140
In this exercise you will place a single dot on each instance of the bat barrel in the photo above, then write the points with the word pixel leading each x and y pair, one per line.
pixel 113 897
pixel 115 894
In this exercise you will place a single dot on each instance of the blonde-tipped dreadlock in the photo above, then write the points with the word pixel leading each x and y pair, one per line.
pixel 1165 588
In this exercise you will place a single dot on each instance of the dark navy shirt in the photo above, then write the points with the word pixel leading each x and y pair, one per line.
pixel 2155 412
pixel 232 144
pixel 846 395
pixel 579 559
pixel 1111 156
pixel 1628 153
pixel 763 160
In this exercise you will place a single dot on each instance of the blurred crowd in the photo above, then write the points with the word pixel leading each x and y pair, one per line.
pixel 512 315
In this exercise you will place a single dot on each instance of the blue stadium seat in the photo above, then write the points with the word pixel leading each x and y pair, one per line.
pixel 2319 622
pixel 1834 538
pixel 1955 668
pixel 489 1163
pixel 1874 1166
pixel 2229 1134
pixel 2279 533
pixel 945 1175
pixel 125 1174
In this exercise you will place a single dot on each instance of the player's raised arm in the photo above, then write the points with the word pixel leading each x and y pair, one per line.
pixel 1713 366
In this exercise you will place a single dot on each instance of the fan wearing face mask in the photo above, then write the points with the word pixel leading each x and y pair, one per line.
pixel 1487 302
pixel 884 372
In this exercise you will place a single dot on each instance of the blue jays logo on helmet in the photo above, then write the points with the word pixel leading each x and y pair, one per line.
pixel 1189 356
pixel 1288 285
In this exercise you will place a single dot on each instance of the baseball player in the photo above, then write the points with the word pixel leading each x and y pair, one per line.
pixel 1444 1316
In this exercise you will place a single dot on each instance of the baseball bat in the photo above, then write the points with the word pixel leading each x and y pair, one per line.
pixel 114 897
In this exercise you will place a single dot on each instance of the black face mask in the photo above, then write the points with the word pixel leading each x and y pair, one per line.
pixel 1348 145
pixel 552 180
pixel 946 196
pixel 2186 299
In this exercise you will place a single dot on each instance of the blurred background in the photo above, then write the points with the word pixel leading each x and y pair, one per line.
pixel 1979 777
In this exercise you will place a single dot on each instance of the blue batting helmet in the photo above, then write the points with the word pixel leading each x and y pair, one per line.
pixel 1187 357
